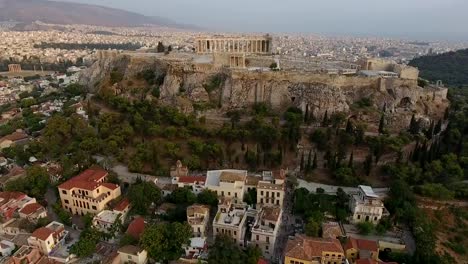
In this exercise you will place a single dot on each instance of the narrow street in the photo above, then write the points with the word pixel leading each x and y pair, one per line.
pixel 287 224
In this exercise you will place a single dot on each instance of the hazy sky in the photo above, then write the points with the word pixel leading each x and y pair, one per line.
pixel 423 19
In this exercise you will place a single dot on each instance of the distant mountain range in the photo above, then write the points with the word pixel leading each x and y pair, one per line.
pixel 53 12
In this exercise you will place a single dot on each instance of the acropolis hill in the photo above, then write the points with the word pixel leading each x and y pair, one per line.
pixel 240 71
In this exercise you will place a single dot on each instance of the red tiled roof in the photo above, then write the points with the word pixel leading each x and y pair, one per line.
pixel 12 195
pixel 192 179
pixel 262 261
pixel 361 244
pixel 309 248
pixel 42 233
pixel 30 208
pixel 279 174
pixel 87 180
pixel 122 205
pixel 136 227
pixel 15 136
pixel 109 185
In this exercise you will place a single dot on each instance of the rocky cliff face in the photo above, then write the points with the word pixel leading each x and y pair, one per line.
pixel 239 88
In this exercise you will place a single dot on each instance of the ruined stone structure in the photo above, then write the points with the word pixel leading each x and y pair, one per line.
pixel 403 71
pixel 256 45
pixel 14 67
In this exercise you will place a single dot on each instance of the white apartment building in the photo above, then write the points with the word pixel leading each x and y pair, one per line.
pixel 227 183
pixel 265 229
pixel 366 206
pixel 231 220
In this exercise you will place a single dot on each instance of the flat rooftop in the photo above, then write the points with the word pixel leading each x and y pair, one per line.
pixel 107 216
pixel 214 177
pixel 231 218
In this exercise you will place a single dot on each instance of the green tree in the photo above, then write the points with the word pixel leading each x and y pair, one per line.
pixel 226 251
pixel 34 184
pixel 312 228
pixel 86 245
pixel 365 228
pixel 160 48
pixel 164 241
pixel 208 197
pixel 382 124
pixel 142 195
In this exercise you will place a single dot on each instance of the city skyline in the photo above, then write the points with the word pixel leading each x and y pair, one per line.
pixel 425 20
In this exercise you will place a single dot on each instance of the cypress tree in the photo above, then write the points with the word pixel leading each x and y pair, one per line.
pixel 349 127
pixel 382 124
pixel 280 154
pixel 302 162
pixel 438 127
pixel 368 164
pixel 314 164
pixel 309 161
pixel 351 160
pixel 416 152
pixel 325 119
pixel 430 130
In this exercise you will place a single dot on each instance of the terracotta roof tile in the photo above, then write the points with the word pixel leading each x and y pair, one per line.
pixel 42 233
pixel 309 248
pixel 88 179
pixel 361 244
pixel 192 179
pixel 136 227
pixel 31 208
pixel 122 205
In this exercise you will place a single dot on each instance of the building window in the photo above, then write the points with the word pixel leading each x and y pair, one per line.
pixel 229 193
pixel 358 216
pixel 261 193
pixel 267 240
pixel 64 192
pixel 222 193
pixel 257 238
pixel 235 195
pixel 66 201
pixel 94 207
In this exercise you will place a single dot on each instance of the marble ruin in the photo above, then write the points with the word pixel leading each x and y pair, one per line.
pixel 255 44
pixel 14 67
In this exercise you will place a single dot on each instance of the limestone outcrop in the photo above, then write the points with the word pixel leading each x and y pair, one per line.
pixel 280 89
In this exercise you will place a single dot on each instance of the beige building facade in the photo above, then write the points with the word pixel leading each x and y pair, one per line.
pixel 265 229
pixel 227 183
pixel 366 206
pixel 197 217
pixel 88 192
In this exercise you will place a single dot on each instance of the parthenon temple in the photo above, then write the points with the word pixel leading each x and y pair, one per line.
pixel 257 44
pixel 14 68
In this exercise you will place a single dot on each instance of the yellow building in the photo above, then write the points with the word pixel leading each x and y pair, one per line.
pixel 310 250
pixel 88 192
pixel 48 238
